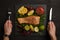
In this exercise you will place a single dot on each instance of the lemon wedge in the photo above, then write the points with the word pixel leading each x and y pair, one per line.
pixel 32 28
pixel 30 12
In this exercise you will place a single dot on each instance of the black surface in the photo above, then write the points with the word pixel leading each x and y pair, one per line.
pixel 5 4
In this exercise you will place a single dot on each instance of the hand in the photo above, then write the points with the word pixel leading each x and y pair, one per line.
pixel 8 27
pixel 52 30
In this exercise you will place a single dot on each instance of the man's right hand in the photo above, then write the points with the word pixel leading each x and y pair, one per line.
pixel 52 30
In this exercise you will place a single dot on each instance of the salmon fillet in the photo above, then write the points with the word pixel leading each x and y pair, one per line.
pixel 30 20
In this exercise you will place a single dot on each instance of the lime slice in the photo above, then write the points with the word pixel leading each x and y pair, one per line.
pixel 27 28
pixel 42 27
pixel 36 29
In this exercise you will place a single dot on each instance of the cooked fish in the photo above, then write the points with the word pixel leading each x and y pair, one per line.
pixel 30 20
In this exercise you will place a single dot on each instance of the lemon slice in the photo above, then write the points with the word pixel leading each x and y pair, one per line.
pixel 22 10
pixel 36 29
pixel 30 12
pixel 27 28
pixel 32 28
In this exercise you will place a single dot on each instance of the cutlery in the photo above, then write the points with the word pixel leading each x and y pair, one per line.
pixel 50 15
pixel 9 13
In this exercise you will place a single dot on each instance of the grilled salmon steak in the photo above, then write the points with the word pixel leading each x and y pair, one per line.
pixel 30 20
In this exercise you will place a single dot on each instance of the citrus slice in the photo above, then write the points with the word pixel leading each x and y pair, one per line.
pixel 22 10
pixel 32 28
pixel 36 29
pixel 27 28
pixel 30 12
pixel 42 27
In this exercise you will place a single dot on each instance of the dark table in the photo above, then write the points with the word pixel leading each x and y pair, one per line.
pixel 5 4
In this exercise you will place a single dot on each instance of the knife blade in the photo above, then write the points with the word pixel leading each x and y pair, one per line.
pixel 50 15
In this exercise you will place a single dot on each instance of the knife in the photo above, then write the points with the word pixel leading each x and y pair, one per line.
pixel 50 15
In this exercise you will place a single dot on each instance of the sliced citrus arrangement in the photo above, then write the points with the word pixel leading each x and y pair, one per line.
pixel 22 10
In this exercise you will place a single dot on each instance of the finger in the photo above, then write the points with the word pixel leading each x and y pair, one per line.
pixel 53 23
pixel 54 27
pixel 50 25
pixel 10 23
pixel 48 28
pixel 7 22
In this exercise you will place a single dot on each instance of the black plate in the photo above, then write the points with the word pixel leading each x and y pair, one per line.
pixel 43 33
